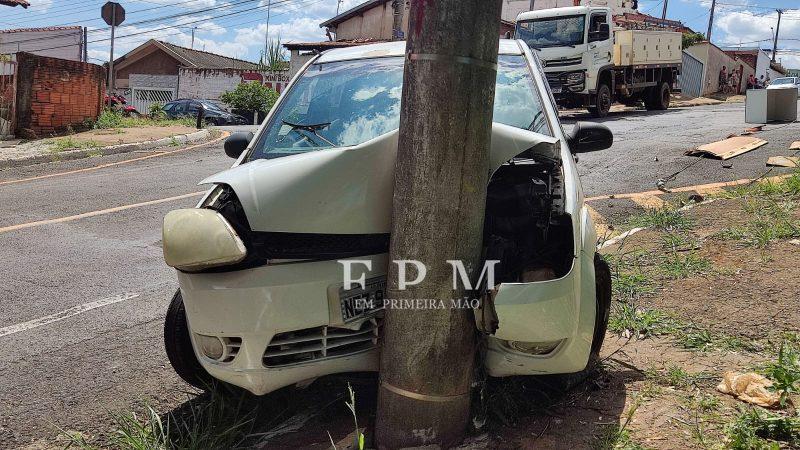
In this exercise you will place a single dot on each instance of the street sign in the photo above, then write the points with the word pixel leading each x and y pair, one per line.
pixel 113 13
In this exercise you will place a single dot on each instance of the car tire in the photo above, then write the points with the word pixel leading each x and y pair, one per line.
pixel 602 101
pixel 602 283
pixel 658 97
pixel 178 346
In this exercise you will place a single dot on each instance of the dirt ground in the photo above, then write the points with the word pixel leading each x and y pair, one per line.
pixel 116 136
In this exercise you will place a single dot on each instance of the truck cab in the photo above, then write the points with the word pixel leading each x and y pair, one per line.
pixel 574 44
pixel 589 63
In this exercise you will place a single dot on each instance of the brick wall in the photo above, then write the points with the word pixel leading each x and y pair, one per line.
pixel 53 93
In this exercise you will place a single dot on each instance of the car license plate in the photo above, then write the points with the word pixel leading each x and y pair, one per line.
pixel 357 302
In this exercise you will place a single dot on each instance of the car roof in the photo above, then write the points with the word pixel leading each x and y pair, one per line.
pixel 395 48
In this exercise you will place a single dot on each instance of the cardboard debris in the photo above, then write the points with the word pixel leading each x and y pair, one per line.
pixel 728 148
pixel 755 129
pixel 749 387
pixel 795 145
pixel 784 161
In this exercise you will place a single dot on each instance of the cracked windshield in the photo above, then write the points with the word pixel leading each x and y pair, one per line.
pixel 347 103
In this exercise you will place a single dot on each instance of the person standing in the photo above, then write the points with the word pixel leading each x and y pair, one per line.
pixel 723 79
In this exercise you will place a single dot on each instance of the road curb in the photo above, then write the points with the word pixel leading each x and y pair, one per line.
pixel 104 151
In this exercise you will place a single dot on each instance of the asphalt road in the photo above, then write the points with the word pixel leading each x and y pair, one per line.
pixel 84 295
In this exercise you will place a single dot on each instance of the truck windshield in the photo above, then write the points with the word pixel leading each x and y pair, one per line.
pixel 346 103
pixel 552 31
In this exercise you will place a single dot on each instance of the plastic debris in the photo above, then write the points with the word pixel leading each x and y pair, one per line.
pixel 749 387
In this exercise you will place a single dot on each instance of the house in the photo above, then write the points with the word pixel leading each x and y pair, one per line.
pixel 159 71
pixel 56 42
pixel 760 60
pixel 702 64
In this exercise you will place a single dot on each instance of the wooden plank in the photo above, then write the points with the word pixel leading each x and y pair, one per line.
pixel 784 161
pixel 728 148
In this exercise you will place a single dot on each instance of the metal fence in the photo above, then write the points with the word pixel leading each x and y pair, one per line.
pixel 691 78
pixel 8 95
pixel 142 98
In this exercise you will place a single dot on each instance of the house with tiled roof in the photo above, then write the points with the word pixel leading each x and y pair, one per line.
pixel 159 71
pixel 55 42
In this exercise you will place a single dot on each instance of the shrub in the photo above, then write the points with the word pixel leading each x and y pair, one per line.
pixel 109 119
pixel 252 96
pixel 156 111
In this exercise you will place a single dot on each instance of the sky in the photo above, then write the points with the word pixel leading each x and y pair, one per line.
pixel 238 28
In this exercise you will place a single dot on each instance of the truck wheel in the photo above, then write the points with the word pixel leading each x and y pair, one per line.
pixel 602 102
pixel 178 345
pixel 602 282
pixel 659 97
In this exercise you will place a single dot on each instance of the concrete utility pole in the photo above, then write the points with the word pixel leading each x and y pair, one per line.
pixel 441 175
pixel 777 30
pixel 193 28
pixel 664 12
pixel 533 3
pixel 110 88
pixel 397 26
pixel 711 20
pixel 266 38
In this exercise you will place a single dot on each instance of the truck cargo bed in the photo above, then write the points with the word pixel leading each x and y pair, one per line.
pixel 644 48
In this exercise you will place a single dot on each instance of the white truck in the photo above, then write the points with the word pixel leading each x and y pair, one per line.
pixel 589 66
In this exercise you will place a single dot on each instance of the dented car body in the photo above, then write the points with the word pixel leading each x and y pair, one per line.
pixel 263 303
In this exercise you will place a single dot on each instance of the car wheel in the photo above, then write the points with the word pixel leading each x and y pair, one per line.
pixel 178 345
pixel 602 283
pixel 603 102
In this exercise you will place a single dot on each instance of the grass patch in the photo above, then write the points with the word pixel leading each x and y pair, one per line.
pixel 757 429
pixel 614 436
pixel 785 371
pixel 110 119
pixel 630 286
pixel 668 218
pixel 676 265
pixel 627 319
pixel 216 421
pixel 68 143
pixel 675 376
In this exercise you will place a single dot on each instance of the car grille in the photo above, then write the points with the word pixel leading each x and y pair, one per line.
pixel 319 343
pixel 564 62
pixel 232 347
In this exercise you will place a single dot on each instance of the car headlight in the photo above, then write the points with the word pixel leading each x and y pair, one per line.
pixel 199 238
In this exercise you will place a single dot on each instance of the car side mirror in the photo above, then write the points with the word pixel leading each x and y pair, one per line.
pixel 237 143
pixel 590 137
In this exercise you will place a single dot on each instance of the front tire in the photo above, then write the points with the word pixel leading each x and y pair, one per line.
pixel 602 102
pixel 178 346
pixel 602 282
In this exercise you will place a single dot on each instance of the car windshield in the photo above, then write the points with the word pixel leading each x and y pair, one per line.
pixel 212 106
pixel 346 103
pixel 552 32
pixel 784 81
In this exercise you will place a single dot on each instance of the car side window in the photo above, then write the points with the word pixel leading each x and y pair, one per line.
pixel 169 107
pixel 193 107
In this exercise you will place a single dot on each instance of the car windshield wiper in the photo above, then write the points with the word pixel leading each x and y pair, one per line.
pixel 313 128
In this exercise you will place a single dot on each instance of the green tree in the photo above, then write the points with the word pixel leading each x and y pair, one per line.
pixel 690 39
pixel 251 96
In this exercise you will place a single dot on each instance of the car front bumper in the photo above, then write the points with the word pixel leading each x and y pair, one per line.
pixel 289 321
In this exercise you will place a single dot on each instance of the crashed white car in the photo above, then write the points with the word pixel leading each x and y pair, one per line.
pixel 262 303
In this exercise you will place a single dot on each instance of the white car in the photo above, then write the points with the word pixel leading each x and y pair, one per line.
pixel 262 303
pixel 786 83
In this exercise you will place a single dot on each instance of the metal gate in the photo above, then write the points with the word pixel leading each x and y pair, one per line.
pixel 8 95
pixel 691 78
pixel 142 98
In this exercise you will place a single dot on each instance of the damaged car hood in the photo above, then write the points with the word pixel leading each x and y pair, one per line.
pixel 346 190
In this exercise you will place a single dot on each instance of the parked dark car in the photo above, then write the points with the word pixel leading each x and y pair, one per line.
pixel 214 114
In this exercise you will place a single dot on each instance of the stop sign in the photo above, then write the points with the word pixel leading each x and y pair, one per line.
pixel 113 13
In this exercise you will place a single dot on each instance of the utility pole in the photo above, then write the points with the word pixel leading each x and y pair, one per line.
pixel 533 3
pixel 664 12
pixel 777 30
pixel 266 38
pixel 397 27
pixel 193 28
pixel 711 20
pixel 111 57
pixel 338 5
pixel 441 174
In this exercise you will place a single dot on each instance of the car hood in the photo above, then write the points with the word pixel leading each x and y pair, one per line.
pixel 345 190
